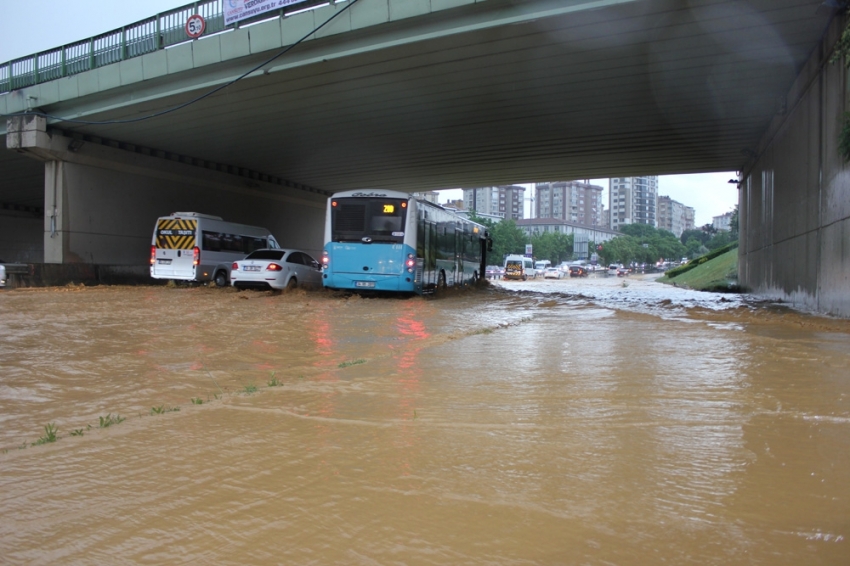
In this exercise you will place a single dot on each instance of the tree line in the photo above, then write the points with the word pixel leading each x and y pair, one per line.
pixel 638 243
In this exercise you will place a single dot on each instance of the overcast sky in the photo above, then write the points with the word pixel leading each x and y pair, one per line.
pixel 30 26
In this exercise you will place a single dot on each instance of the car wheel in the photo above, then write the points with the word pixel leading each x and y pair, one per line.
pixel 291 284
pixel 221 279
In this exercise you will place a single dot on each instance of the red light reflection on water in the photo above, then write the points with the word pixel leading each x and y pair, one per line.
pixel 409 371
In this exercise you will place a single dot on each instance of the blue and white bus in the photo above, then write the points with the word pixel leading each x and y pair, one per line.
pixel 391 241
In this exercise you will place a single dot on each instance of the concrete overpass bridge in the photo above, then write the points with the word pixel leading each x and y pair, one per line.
pixel 260 122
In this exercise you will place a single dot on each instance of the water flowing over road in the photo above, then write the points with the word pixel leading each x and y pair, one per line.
pixel 582 421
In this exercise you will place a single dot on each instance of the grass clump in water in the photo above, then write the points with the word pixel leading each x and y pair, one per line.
pixel 250 389
pixel 110 420
pixel 50 431
pixel 351 363
pixel 273 381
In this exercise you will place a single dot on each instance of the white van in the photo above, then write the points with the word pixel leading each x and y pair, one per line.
pixel 540 267
pixel 190 246
pixel 519 267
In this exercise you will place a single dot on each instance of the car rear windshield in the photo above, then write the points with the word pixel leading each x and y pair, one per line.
pixel 266 254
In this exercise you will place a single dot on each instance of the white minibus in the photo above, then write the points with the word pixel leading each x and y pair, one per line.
pixel 190 246
pixel 519 267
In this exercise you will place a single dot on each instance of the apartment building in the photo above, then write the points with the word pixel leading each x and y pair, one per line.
pixel 570 201
pixel 633 200
pixel 504 201
pixel 722 222
pixel 674 216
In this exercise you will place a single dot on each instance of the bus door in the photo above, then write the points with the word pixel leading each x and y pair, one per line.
pixel 429 271
pixel 459 243
pixel 426 242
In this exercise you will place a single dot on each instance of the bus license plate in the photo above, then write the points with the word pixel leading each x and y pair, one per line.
pixel 368 284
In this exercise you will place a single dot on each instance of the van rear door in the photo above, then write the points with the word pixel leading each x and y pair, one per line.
pixel 174 243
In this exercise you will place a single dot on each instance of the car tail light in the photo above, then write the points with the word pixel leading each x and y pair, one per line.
pixel 274 267
pixel 153 254
pixel 196 256
pixel 234 267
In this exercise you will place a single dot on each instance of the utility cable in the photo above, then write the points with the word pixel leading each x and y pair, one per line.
pixel 190 102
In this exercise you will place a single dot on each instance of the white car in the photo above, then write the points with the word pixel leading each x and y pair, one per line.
pixel 2 274
pixel 553 273
pixel 276 269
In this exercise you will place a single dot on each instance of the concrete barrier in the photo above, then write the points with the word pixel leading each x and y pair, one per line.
pixel 56 274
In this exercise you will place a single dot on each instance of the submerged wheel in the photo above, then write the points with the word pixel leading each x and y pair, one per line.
pixel 524 277
pixel 441 281
pixel 220 279
pixel 291 284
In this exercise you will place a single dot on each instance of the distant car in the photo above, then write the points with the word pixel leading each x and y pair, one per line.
pixel 276 269
pixel 493 272
pixel 622 271
pixel 2 274
pixel 552 273
pixel 612 269
pixel 578 271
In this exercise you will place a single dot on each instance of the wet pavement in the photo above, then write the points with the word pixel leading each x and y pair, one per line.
pixel 580 421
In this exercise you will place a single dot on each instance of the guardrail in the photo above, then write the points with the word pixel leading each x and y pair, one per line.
pixel 146 36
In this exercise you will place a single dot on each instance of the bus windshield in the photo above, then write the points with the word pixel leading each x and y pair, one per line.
pixel 362 219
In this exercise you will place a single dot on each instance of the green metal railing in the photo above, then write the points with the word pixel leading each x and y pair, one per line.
pixel 146 36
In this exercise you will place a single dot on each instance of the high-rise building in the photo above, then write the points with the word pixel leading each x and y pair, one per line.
pixel 633 200
pixel 505 201
pixel 573 201
pixel 673 216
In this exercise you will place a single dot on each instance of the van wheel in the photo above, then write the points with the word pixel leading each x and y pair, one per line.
pixel 221 279
pixel 524 277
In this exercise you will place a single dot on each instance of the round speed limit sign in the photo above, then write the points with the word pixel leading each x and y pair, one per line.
pixel 195 26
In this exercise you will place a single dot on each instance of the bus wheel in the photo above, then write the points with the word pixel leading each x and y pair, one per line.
pixel 221 279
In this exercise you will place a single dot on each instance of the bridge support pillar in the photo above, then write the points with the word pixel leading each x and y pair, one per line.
pixel 56 237
pixel 794 201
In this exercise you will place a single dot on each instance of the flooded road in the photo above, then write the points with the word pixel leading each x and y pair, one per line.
pixel 588 422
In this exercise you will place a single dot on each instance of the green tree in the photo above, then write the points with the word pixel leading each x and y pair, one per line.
pixel 507 238
pixel 693 246
pixel 722 238
pixel 699 235
pixel 554 246
pixel 734 223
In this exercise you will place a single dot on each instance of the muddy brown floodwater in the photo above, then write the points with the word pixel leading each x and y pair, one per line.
pixel 588 422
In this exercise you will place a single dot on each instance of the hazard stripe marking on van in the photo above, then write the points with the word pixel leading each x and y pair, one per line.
pixel 173 234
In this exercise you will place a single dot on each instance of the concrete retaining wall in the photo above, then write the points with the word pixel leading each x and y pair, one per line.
pixel 794 204
pixel 56 274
